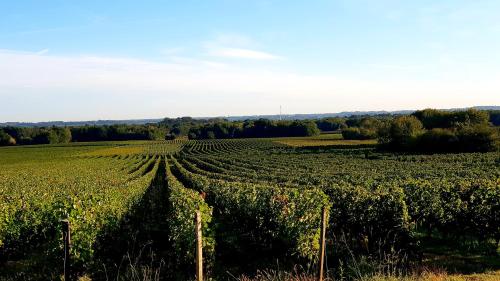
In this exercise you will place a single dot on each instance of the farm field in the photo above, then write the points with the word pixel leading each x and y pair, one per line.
pixel 250 140
pixel 131 206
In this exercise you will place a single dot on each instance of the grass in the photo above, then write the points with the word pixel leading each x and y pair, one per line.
pixel 118 150
pixel 452 256
pixel 439 276
pixel 424 276
pixel 443 260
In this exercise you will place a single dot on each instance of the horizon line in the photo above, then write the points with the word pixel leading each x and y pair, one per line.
pixel 245 115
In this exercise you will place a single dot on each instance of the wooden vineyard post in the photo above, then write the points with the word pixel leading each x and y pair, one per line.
pixel 67 244
pixel 322 244
pixel 199 247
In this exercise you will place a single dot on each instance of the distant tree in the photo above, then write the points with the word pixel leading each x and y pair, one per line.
pixel 495 117
pixel 475 117
pixel 6 139
pixel 353 121
pixel 119 132
pixel 478 138
pixel 59 135
pixel 261 128
pixel 462 131
pixel 362 129
pixel 358 134
pixel 433 118
pixel 210 135
pixel 438 140
pixel 44 136
pixel 302 128
pixel 155 133
pixel 14 132
pixel 370 123
pixel 402 134
pixel 331 124
pixel 181 126
pixel 65 135
pixel 351 133
pixel 89 133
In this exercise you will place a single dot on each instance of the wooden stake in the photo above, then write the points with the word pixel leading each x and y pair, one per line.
pixel 322 244
pixel 199 247
pixel 67 244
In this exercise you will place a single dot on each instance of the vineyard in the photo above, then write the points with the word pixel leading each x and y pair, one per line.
pixel 261 202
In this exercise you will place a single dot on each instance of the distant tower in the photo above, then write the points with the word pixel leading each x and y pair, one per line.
pixel 280 112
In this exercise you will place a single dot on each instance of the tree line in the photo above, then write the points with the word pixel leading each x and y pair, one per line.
pixel 431 130
pixel 58 135
pixel 262 128
pixel 428 130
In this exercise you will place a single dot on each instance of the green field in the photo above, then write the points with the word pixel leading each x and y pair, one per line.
pixel 131 206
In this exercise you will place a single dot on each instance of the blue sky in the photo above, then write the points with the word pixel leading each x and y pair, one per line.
pixel 75 60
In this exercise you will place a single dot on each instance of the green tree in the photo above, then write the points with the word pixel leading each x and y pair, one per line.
pixel 478 138
pixel 438 140
pixel 403 133
pixel 331 124
pixel 6 139
pixel 475 117
pixel 433 118
pixel 59 135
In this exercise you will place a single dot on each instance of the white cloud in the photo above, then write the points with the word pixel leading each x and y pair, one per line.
pixel 236 46
pixel 34 87
pixel 42 52
pixel 394 66
pixel 241 53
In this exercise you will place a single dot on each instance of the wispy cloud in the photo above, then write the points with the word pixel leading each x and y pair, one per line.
pixel 394 66
pixel 42 52
pixel 240 53
pixel 237 46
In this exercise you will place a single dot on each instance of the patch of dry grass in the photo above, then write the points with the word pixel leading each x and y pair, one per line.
pixel 322 140
pixel 425 276
pixel 304 142
pixel 439 276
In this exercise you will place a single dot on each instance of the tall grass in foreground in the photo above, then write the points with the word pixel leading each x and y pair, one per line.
pixel 423 276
